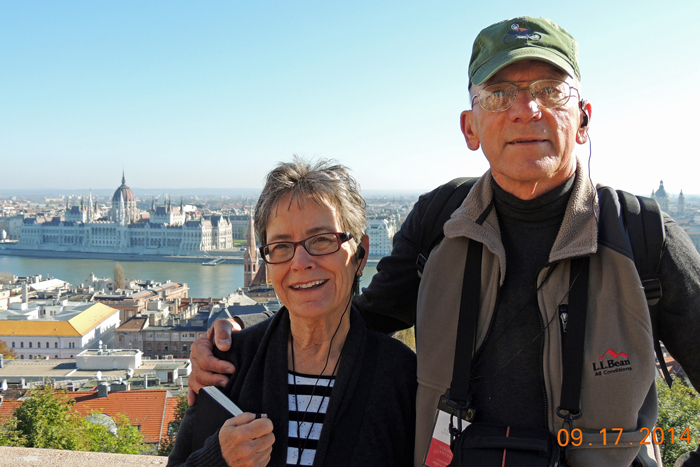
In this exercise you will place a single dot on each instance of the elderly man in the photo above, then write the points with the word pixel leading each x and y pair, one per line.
pixel 533 215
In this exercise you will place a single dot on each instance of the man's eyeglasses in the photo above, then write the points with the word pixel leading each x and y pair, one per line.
pixel 316 245
pixel 548 93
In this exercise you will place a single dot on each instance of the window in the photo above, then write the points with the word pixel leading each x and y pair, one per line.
pixel 30 346
pixel 30 357
pixel 165 347
pixel 184 348
pixel 21 344
pixel 38 345
pixel 13 344
pixel 47 345
pixel 159 347
pixel 55 356
pixel 21 357
pixel 149 346
pixel 55 345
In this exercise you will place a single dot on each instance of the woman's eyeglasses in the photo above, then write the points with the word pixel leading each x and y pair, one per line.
pixel 316 245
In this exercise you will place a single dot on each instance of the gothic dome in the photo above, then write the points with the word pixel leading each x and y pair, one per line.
pixel 123 191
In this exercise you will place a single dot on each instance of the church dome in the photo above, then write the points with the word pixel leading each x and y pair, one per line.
pixel 124 192
pixel 661 192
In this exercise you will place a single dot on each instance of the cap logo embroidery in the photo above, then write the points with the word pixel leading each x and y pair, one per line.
pixel 616 362
pixel 519 32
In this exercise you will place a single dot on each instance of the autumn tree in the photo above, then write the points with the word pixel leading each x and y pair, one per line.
pixel 119 281
pixel 5 351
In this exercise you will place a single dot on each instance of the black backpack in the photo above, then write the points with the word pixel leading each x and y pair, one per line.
pixel 641 216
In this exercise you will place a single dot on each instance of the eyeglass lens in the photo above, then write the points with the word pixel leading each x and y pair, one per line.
pixel 318 245
pixel 546 93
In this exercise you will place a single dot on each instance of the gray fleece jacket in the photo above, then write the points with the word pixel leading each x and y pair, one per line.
pixel 618 385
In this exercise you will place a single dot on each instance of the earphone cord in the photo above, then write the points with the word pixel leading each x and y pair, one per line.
pixel 590 153
pixel 294 376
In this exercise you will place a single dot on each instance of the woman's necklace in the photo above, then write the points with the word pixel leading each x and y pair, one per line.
pixel 300 424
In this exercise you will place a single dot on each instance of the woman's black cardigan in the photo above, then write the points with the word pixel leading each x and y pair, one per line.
pixel 370 419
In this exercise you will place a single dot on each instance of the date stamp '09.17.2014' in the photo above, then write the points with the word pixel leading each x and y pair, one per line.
pixel 655 436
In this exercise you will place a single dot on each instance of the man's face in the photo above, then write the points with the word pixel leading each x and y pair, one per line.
pixel 530 149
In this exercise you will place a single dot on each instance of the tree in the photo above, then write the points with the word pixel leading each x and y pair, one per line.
pixel 168 442
pixel 47 419
pixel 679 408
pixel 119 280
pixel 104 434
pixel 5 351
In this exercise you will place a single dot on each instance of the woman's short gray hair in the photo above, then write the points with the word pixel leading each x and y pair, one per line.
pixel 324 181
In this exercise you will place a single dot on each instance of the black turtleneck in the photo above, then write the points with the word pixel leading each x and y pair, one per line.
pixel 508 380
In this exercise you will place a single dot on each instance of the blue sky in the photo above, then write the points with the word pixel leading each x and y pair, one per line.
pixel 214 93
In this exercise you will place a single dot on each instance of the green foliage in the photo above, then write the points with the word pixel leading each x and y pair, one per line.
pixel 47 419
pixel 408 337
pixel 98 436
pixel 679 407
pixel 168 442
pixel 10 435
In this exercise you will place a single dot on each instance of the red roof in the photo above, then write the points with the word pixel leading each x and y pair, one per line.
pixel 150 409
pixel 145 409
pixel 170 412
pixel 7 409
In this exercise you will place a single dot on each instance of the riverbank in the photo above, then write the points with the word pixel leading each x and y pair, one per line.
pixel 226 257
pixel 47 254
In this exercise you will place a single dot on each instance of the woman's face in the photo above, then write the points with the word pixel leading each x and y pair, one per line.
pixel 311 287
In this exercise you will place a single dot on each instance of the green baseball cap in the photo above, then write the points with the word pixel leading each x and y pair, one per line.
pixel 523 38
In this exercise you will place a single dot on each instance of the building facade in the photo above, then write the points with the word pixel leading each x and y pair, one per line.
pixel 57 329
pixel 381 235
pixel 165 231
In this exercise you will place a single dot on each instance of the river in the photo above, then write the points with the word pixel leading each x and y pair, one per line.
pixel 203 281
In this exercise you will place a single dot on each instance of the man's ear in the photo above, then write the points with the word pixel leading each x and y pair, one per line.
pixel 582 133
pixel 468 130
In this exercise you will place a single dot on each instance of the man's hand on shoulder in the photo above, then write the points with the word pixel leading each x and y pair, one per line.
pixel 207 370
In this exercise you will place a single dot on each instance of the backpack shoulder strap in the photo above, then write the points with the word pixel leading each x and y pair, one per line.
pixel 645 228
pixel 446 200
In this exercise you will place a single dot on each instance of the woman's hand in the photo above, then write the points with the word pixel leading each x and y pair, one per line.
pixel 246 441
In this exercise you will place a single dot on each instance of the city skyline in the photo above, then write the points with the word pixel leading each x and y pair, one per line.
pixel 185 97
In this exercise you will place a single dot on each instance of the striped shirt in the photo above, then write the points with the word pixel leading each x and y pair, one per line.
pixel 306 415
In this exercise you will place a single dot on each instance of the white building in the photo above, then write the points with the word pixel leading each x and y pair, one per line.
pixel 166 232
pixel 56 329
pixel 381 235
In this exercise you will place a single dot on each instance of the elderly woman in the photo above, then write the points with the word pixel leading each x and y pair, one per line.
pixel 313 369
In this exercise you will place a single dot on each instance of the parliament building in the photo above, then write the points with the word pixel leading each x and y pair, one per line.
pixel 165 231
